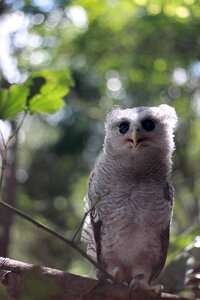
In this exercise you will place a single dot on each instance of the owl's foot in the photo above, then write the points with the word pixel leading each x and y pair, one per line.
pixel 115 273
pixel 139 282
pixel 157 289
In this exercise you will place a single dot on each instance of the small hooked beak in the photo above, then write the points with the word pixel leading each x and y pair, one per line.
pixel 136 137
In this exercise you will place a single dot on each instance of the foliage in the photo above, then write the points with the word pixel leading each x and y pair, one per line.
pixel 12 101
pixel 48 98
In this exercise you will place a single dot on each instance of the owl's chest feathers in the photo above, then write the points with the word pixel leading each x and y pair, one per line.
pixel 155 166
pixel 135 218
pixel 137 206
pixel 133 199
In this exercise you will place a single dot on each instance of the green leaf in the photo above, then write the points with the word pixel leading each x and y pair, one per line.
pixel 47 104
pixel 13 101
pixel 49 98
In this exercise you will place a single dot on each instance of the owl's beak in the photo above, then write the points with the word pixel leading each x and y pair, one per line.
pixel 136 137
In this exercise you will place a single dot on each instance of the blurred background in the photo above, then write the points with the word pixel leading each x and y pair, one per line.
pixel 130 52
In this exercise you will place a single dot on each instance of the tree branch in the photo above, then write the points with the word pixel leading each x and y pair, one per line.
pixel 70 243
pixel 96 201
pixel 71 287
pixel 6 145
pixel 57 235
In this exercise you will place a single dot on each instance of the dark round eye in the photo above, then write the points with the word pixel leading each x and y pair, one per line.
pixel 124 127
pixel 148 125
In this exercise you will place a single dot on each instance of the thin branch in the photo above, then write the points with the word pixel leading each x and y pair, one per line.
pixel 86 214
pixel 15 132
pixel 3 163
pixel 59 236
pixel 38 224
pixel 3 139
pixel 6 144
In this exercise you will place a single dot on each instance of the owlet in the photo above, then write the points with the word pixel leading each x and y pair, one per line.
pixel 127 231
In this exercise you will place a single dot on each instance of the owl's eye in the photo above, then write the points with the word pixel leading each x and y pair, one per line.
pixel 124 127
pixel 148 125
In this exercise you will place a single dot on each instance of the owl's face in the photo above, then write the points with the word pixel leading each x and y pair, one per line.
pixel 140 130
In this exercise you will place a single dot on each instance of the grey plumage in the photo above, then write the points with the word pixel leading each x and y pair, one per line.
pixel 128 230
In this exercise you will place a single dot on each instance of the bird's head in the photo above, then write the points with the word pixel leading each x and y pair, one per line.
pixel 140 130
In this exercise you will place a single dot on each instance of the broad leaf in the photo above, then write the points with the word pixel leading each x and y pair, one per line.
pixel 45 98
pixel 13 101
pixel 47 104
pixel 49 98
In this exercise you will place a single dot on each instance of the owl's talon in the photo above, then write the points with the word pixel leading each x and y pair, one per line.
pixel 115 273
pixel 136 284
pixel 158 288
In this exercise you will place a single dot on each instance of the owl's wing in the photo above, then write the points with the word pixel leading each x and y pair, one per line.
pixel 91 230
pixel 87 235
pixel 169 192
pixel 164 236
pixel 164 239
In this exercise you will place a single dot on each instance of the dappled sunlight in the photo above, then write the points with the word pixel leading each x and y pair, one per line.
pixel 5 130
pixel 78 16
pixel 44 5
pixel 9 24
pixel 40 57
pixel 179 76
pixel 37 19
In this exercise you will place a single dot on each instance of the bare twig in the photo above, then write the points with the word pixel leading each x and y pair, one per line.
pixel 15 132
pixel 86 214
pixel 59 236
pixel 4 159
pixel 6 145
pixel 3 139
pixel 38 224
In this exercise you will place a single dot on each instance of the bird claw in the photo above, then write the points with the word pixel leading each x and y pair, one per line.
pixel 115 273
pixel 157 289
pixel 139 283
pixel 136 284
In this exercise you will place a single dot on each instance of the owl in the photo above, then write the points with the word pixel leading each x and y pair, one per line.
pixel 130 194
